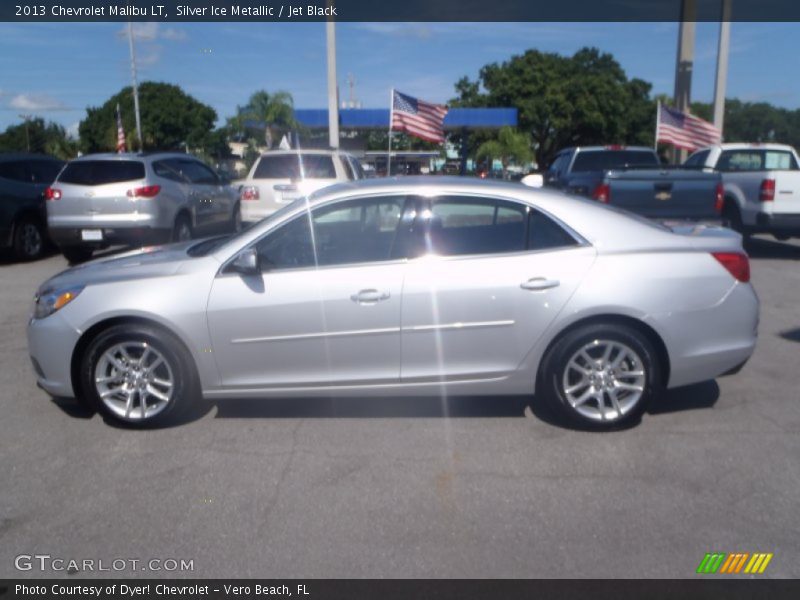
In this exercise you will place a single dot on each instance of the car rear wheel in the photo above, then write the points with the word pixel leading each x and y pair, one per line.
pixel 183 229
pixel 137 375
pixel 76 254
pixel 28 239
pixel 600 376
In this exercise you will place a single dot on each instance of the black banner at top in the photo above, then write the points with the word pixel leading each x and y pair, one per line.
pixel 395 10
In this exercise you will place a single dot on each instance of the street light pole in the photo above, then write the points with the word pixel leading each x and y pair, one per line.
pixel 333 96
pixel 135 87
pixel 685 62
pixel 27 118
pixel 722 65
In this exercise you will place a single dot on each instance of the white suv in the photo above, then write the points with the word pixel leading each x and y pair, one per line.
pixel 281 176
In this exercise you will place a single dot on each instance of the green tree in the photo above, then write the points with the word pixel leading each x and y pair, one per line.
pixel 563 101
pixel 39 137
pixel 755 122
pixel 171 119
pixel 510 146
pixel 274 112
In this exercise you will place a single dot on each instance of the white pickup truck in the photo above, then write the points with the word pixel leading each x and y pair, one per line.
pixel 761 186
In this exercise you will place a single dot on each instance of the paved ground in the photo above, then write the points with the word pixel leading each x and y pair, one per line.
pixel 380 488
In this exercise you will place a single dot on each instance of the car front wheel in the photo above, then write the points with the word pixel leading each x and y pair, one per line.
pixel 137 375
pixel 600 376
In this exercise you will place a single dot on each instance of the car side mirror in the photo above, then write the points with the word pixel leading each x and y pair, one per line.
pixel 246 263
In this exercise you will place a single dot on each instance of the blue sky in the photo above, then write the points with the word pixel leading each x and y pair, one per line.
pixel 56 70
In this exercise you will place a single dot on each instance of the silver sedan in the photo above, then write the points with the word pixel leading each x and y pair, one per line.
pixel 405 287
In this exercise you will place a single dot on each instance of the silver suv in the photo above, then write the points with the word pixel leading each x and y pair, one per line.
pixel 279 177
pixel 134 199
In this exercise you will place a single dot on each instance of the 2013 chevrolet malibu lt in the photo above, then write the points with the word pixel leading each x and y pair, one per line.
pixel 405 287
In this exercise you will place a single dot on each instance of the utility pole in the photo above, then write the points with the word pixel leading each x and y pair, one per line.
pixel 135 87
pixel 722 65
pixel 685 63
pixel 333 96
pixel 27 118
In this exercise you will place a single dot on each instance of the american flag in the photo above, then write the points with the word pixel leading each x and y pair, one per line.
pixel 415 117
pixel 121 145
pixel 684 130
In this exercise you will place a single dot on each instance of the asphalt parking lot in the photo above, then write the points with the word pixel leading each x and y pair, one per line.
pixel 414 487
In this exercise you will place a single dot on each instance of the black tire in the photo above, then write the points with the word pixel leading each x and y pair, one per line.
pixel 182 231
pixel 557 376
pixel 732 218
pixel 76 254
pixel 29 239
pixel 781 237
pixel 236 219
pixel 176 367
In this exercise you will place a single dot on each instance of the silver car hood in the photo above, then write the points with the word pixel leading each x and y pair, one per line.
pixel 157 261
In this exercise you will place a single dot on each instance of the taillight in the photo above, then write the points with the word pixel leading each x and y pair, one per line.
pixel 767 191
pixel 146 191
pixel 719 199
pixel 249 192
pixel 602 193
pixel 52 194
pixel 736 263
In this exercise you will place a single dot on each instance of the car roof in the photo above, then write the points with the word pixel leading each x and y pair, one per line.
pixel 320 151
pixel 749 146
pixel 133 156
pixel 610 147
pixel 9 156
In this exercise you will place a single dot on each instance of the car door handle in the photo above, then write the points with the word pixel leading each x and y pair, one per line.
pixel 370 296
pixel 539 283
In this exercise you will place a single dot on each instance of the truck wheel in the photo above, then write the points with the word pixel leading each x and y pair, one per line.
pixel 28 239
pixel 732 218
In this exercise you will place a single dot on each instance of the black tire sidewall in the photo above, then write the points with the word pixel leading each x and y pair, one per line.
pixel 164 343
pixel 19 243
pixel 181 220
pixel 76 254
pixel 557 358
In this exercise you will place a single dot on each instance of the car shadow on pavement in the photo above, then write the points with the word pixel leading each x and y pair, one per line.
pixel 690 397
pixel 793 335
pixel 761 248
pixel 373 407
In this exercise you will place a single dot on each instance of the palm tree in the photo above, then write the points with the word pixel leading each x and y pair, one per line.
pixel 509 145
pixel 275 111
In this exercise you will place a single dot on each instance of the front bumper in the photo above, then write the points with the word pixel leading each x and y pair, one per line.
pixel 51 342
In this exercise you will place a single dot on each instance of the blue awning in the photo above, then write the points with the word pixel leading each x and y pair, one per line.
pixel 378 118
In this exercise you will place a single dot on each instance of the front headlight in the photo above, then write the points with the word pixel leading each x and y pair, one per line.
pixel 51 301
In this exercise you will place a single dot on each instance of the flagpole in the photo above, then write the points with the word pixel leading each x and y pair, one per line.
pixel 658 116
pixel 391 118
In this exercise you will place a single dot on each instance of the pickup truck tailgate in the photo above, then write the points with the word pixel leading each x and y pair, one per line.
pixel 787 192
pixel 665 194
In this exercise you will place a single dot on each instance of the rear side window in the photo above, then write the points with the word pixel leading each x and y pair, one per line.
pixel 168 169
pixel 102 172
pixel 546 234
pixel 197 172
pixel 15 170
pixel 295 166
pixel 756 160
pixel 602 160
pixel 459 226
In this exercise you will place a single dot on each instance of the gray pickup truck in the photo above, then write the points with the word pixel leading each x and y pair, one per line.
pixel 634 179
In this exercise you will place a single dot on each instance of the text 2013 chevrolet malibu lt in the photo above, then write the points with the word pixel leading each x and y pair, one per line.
pixel 405 287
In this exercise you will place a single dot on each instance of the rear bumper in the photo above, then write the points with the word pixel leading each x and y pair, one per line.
pixel 786 223
pixel 134 236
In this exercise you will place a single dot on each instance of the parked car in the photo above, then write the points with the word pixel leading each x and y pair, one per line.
pixel 279 177
pixel 633 178
pixel 761 186
pixel 134 199
pixel 418 286
pixel 23 220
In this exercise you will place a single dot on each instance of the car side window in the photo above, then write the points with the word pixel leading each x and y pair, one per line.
pixel 741 160
pixel 198 173
pixel 45 171
pixel 545 234
pixel 15 170
pixel 697 160
pixel 349 232
pixel 456 226
pixel 168 170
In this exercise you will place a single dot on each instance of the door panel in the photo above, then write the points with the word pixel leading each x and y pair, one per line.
pixel 478 317
pixel 303 327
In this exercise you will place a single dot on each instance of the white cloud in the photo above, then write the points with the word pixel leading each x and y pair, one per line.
pixel 175 35
pixel 72 130
pixel 36 102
